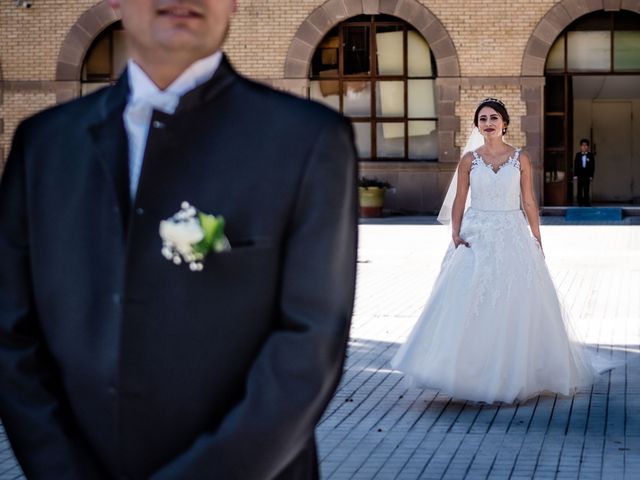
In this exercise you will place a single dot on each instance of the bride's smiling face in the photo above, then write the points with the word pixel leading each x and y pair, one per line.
pixel 490 123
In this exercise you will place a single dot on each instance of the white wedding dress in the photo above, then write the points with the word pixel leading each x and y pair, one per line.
pixel 493 329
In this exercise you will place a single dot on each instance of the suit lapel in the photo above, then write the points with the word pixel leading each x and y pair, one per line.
pixel 109 144
pixel 171 137
pixel 224 77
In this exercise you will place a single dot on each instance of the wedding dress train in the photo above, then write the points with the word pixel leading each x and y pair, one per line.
pixel 493 328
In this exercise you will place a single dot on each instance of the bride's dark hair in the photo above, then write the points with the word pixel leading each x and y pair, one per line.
pixel 498 106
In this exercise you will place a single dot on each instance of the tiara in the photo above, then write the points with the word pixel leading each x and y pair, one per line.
pixel 491 99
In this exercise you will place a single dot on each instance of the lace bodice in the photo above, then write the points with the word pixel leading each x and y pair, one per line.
pixel 495 190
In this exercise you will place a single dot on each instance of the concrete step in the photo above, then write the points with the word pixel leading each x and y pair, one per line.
pixel 593 213
pixel 598 212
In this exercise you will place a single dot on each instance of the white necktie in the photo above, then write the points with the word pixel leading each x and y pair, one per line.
pixel 584 161
pixel 140 109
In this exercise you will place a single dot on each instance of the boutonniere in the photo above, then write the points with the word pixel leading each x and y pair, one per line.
pixel 189 235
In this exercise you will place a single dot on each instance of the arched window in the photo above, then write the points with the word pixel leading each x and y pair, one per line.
pixel 379 71
pixel 105 59
pixel 594 61
pixel 606 42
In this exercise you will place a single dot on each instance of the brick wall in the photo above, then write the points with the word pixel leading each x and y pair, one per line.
pixel 20 105
pixel 489 39
pixel 490 42
pixel 30 40
pixel 261 33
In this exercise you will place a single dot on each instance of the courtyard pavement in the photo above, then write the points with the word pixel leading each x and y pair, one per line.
pixel 377 428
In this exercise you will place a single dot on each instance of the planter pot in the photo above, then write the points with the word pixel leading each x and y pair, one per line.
pixel 371 201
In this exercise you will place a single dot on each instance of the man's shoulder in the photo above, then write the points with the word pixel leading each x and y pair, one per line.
pixel 289 107
pixel 76 112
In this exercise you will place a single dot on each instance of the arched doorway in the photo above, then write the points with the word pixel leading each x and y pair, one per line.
pixel 592 91
pixel 379 71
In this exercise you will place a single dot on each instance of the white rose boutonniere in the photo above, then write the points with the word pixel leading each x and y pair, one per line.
pixel 189 235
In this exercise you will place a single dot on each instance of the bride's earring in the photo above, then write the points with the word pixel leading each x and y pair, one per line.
pixel 504 131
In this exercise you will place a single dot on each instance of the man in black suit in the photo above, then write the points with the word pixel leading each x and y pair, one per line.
pixel 584 166
pixel 116 363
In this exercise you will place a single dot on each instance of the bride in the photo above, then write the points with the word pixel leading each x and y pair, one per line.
pixel 493 329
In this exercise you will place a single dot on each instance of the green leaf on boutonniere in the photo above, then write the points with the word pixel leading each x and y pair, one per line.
pixel 214 237
pixel 189 235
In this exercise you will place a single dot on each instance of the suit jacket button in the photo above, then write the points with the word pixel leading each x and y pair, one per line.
pixel 117 298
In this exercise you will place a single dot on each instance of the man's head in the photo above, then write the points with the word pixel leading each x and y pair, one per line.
pixel 175 31
pixel 584 145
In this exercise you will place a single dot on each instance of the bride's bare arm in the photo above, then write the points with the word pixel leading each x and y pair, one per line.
pixel 462 189
pixel 529 203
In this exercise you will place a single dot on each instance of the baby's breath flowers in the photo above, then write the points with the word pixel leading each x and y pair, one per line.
pixel 189 235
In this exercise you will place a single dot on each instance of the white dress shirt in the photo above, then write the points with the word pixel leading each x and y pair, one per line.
pixel 145 96
pixel 584 160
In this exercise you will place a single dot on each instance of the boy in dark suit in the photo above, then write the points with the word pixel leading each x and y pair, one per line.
pixel 583 169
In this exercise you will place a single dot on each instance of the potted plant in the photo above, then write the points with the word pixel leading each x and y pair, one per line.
pixel 371 192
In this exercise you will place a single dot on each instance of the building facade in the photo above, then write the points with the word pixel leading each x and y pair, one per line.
pixel 409 74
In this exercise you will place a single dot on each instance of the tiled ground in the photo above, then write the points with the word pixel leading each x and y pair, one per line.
pixel 376 428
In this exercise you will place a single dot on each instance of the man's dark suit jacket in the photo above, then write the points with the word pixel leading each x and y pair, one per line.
pixel 116 363
pixel 584 173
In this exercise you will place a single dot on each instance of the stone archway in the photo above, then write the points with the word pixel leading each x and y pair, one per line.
pixel 556 20
pixel 332 12
pixel 74 48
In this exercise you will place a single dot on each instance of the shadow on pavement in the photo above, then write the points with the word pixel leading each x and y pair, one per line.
pixel 377 427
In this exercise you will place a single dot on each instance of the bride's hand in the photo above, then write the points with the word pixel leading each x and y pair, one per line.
pixel 539 245
pixel 457 241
